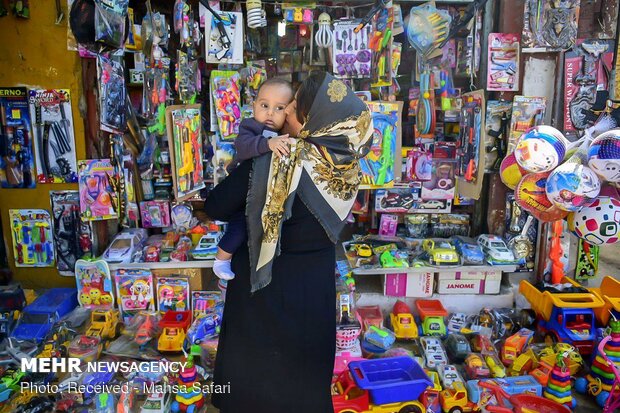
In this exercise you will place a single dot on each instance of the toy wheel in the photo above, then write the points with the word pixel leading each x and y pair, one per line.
pixel 601 399
pixel 456 410
pixel 410 409
pixel 550 339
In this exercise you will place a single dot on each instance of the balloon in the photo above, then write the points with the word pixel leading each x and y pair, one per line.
pixel 530 195
pixel 541 149
pixel 510 171
pixel 604 155
pixel 572 184
pixel 598 223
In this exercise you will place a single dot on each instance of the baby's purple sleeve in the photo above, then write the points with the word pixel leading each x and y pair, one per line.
pixel 250 143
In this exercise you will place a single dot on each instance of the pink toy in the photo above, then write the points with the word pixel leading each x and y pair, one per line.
pixel 97 199
pixel 172 294
pixel 134 290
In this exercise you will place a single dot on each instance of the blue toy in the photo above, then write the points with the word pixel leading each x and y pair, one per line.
pixel 469 250
pixel 380 337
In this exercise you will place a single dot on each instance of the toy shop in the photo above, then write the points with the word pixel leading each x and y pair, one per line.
pixel 427 220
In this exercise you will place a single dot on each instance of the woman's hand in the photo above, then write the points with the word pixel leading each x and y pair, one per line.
pixel 280 145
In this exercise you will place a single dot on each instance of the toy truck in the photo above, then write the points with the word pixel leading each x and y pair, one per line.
pixel 38 318
pixel 565 317
pixel 402 321
pixel 455 400
pixel 432 314
pixel 388 385
pixel 609 292
pixel 12 301
pixel 103 323
pixel 515 345
pixel 174 326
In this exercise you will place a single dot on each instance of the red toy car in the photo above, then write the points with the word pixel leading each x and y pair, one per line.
pixel 476 367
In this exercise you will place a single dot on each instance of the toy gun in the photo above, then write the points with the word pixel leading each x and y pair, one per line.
pixel 379 5
pixel 500 141
pixel 472 147
pixel 555 253
pixel 160 125
pixel 224 40
pixel 386 160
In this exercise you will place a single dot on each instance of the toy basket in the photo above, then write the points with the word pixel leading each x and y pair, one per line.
pixel 346 336
pixel 391 379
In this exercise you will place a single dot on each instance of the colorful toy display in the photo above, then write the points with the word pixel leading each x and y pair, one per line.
pixel 97 199
pixel 172 294
pixel 33 242
pixel 226 103
pixel 155 214
pixel 54 137
pixel 185 143
pixel 94 284
pixel 16 139
pixel 134 289
pixel 188 398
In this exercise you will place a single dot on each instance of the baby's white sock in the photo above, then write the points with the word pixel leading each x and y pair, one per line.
pixel 222 269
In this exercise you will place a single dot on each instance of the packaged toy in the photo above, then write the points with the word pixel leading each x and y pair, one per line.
pixel 225 99
pixel 503 62
pixel 380 42
pixel 16 155
pixel 224 37
pixel 172 294
pixel 53 121
pixel 94 284
pixel 521 233
pixel 442 185
pixel 428 29
pixel 425 110
pixel 527 112
pixel 185 143
pixel 470 152
pixel 33 241
pixel 205 302
pixel 351 57
pixel 112 94
pixel 97 199
pixel 496 138
pixel 72 237
pixel 155 214
pixel 550 24
pixel 134 289
pixel 110 22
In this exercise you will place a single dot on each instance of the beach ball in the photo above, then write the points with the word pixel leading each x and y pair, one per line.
pixel 572 185
pixel 604 155
pixel 531 195
pixel 510 172
pixel 598 223
pixel 541 149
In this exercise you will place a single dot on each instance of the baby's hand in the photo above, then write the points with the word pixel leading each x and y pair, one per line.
pixel 280 145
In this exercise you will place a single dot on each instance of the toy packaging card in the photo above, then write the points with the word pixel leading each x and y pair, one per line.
pixel 443 182
pixel 112 92
pixel 396 200
pixel 224 154
pixel 497 121
pixel 72 236
pixel 550 24
pixel 16 156
pixel 224 38
pixel 380 42
pixel 526 113
pixel 205 302
pixel 383 164
pixel 97 199
pixel 155 214
pixel 134 290
pixel 471 150
pixel 503 62
pixel 54 138
pixel 587 261
pixel 226 103
pixel 448 225
pixel 185 143
pixel 585 72
pixel 33 241
pixel 94 284
pixel 351 57
pixel 173 294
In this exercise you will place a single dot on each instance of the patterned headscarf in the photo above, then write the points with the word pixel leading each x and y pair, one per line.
pixel 322 169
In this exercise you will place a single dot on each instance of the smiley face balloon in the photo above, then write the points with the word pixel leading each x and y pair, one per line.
pixel 604 155
pixel 541 149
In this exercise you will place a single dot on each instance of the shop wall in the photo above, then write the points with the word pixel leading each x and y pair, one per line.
pixel 33 53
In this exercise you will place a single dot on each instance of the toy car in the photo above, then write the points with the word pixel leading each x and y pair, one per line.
pixel 455 400
pixel 103 323
pixel 448 375
pixel 440 253
pixel 402 321
pixel 362 250
pixel 207 246
pixel 469 250
pixel 515 345
pixel 457 346
pixel 395 200
pixel 432 204
pixel 157 403
pixel 495 250
pixel 38 404
pixel 495 366
pixel 476 367
pixel 432 313
pixel 456 321
pixel 205 326
pixel 124 245
pixel 151 253
pixel 174 325
pixel 86 348
pixel 434 354
pixel 393 259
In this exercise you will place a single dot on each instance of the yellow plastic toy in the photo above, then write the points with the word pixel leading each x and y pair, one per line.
pixel 609 292
pixel 572 359
pixel 103 323
pixel 171 339
pixel 456 400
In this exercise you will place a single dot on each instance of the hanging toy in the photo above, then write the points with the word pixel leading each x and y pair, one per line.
pixel 604 156
pixel 541 149
pixel 428 28
pixel 324 36
pixel 573 185
pixel 598 223
pixel 511 172
pixel 256 15
pixel 530 195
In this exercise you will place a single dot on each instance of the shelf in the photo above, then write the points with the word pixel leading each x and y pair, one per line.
pixel 379 271
pixel 163 265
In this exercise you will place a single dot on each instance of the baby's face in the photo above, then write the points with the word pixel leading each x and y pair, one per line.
pixel 270 104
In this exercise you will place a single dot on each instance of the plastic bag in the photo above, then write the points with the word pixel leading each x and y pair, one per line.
pixel 110 22
pixel 111 95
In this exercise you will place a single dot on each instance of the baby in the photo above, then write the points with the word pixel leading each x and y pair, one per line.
pixel 257 136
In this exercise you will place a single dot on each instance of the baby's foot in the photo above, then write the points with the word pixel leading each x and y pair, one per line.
pixel 222 269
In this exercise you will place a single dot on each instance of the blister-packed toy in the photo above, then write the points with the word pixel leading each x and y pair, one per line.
pixel 503 62
pixel 173 294
pixel 226 102
pixel 97 199
pixel 33 244
pixel 16 156
pixel 134 290
pixel 155 214
pixel 110 22
pixel 428 27
pixel 112 94
pixel 94 284
pixel 224 37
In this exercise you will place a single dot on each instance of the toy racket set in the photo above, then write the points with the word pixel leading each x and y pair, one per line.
pixel 33 241
pixel 225 103
pixel 503 62
pixel 72 237
pixel 97 199
pixel 185 143
pixel 134 289
pixel 54 136
pixel 172 294
pixel 94 284
pixel 155 214
pixel 382 164
pixel 204 302
pixel 16 156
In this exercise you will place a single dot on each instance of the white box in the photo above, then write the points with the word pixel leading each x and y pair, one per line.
pixel 409 284
pixel 469 282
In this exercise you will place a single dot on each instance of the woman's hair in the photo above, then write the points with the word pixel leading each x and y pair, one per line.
pixel 306 94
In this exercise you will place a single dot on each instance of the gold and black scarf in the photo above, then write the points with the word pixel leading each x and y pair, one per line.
pixel 322 169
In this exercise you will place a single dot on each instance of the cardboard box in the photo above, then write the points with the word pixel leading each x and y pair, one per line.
pixel 409 285
pixel 469 282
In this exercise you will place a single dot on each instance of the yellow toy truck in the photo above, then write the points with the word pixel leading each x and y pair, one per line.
pixel 103 323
